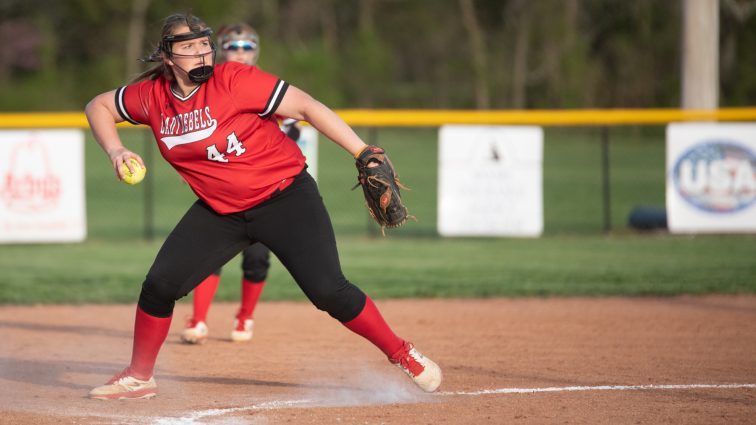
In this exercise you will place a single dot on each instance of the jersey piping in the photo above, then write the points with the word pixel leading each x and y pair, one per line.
pixel 275 99
pixel 120 106
pixel 184 98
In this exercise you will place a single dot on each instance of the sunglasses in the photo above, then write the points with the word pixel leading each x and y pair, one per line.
pixel 245 45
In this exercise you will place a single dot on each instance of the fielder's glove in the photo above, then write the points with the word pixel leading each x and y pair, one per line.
pixel 380 185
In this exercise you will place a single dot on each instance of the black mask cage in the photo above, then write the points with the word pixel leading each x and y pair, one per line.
pixel 167 42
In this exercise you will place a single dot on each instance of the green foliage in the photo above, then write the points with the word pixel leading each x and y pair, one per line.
pixel 307 67
pixel 411 54
pixel 369 58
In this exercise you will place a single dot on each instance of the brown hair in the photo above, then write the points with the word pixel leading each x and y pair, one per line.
pixel 170 23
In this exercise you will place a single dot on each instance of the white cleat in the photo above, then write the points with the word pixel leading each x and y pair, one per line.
pixel 423 371
pixel 194 333
pixel 242 330
pixel 124 387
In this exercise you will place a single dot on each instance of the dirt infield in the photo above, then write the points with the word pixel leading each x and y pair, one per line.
pixel 524 361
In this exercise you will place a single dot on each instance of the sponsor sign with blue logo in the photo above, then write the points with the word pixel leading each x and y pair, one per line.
pixel 711 177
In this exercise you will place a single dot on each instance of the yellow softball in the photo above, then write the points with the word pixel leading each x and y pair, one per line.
pixel 136 177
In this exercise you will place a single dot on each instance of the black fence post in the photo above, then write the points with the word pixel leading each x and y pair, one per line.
pixel 607 203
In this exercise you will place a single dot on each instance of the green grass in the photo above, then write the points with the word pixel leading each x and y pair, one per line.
pixel 573 257
pixel 100 272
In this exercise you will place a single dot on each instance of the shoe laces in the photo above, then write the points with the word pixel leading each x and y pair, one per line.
pixel 191 322
pixel 240 324
pixel 407 361
pixel 118 376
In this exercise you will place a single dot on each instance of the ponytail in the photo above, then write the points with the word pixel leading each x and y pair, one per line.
pixel 161 69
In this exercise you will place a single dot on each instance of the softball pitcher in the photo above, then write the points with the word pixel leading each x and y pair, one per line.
pixel 214 125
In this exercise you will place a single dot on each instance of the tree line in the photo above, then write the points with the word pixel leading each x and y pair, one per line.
pixel 461 54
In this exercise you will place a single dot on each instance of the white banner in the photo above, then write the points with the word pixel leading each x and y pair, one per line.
pixel 308 142
pixel 711 178
pixel 42 195
pixel 490 181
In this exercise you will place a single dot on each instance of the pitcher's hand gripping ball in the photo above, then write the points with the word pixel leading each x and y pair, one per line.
pixel 381 185
pixel 137 176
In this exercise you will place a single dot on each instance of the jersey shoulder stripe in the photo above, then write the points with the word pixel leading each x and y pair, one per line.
pixel 121 106
pixel 275 99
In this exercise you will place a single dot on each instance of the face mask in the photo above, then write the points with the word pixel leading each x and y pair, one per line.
pixel 201 73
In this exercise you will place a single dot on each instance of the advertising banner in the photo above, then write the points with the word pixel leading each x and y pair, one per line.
pixel 308 143
pixel 490 181
pixel 711 178
pixel 42 196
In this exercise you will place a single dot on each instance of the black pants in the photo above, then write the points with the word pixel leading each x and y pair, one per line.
pixel 293 223
pixel 255 263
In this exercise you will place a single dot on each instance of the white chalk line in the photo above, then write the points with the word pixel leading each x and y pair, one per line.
pixel 600 388
pixel 194 417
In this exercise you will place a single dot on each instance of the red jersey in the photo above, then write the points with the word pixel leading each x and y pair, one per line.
pixel 222 137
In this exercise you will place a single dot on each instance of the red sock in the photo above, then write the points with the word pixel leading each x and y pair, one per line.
pixel 370 325
pixel 250 294
pixel 203 296
pixel 149 334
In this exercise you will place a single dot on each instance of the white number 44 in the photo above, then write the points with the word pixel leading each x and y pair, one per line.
pixel 234 147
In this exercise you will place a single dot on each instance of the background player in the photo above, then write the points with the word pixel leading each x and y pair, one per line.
pixel 212 124
pixel 238 43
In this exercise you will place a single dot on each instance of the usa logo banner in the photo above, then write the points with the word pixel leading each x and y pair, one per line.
pixel 711 177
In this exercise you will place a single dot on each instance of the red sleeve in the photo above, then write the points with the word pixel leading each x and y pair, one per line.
pixel 254 90
pixel 133 102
